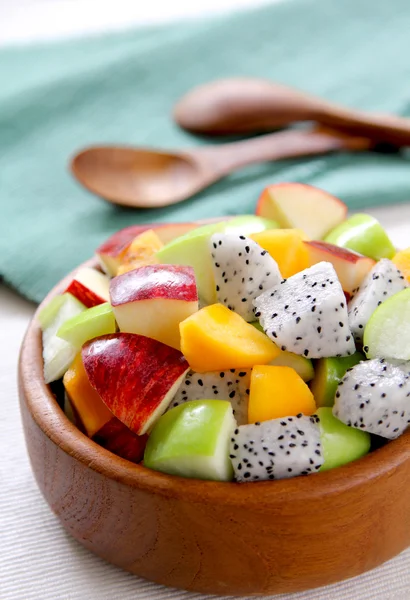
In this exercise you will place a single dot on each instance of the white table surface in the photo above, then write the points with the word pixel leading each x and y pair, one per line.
pixel 38 560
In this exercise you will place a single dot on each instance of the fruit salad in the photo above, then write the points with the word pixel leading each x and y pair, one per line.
pixel 260 347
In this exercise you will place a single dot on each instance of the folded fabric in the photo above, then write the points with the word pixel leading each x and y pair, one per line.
pixel 59 97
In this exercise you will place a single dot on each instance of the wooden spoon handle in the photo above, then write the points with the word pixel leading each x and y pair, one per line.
pixel 223 159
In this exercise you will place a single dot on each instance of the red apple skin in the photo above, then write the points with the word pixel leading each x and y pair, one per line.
pixel 351 267
pixel 133 375
pixel 264 197
pixel 119 241
pixel 118 439
pixel 84 294
pixel 170 282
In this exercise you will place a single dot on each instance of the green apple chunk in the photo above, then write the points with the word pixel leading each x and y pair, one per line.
pixel 192 440
pixel 328 373
pixel 58 354
pixel 247 224
pixel 341 444
pixel 93 322
pixel 303 366
pixel 192 250
pixel 364 234
pixel 387 333
pixel 49 312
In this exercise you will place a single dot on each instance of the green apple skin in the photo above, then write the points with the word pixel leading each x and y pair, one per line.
pixel 93 322
pixel 387 333
pixel 341 444
pixel 328 373
pixel 248 224
pixel 303 366
pixel 192 440
pixel 192 250
pixel 47 314
pixel 364 234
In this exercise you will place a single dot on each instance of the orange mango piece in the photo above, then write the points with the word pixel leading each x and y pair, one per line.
pixel 216 339
pixel 140 252
pixel 277 392
pixel 87 404
pixel 286 247
pixel 402 262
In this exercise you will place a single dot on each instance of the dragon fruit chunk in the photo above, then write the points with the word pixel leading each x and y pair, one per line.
pixel 232 385
pixel 242 270
pixel 306 314
pixel 277 449
pixel 374 396
pixel 383 281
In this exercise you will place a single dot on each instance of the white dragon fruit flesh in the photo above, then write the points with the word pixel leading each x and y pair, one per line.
pixel 374 396
pixel 383 281
pixel 277 449
pixel 232 385
pixel 306 314
pixel 242 270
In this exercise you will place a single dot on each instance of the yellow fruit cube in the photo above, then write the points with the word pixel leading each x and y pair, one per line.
pixel 216 339
pixel 278 392
pixel 140 252
pixel 402 262
pixel 286 247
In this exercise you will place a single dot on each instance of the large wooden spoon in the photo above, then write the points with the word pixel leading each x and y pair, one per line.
pixel 147 178
pixel 232 106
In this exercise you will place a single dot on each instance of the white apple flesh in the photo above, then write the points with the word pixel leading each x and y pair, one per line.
pixel 301 206
pixel 153 301
pixel 351 268
pixel 89 286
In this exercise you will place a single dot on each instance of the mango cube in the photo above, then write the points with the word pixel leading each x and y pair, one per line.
pixel 140 252
pixel 402 262
pixel 286 247
pixel 277 392
pixel 217 339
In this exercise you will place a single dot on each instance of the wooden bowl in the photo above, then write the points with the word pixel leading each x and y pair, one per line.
pixel 217 538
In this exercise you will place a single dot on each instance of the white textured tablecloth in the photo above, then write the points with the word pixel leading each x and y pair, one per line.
pixel 38 560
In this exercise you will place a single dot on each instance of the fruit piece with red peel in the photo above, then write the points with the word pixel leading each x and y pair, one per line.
pixel 110 251
pixel 301 206
pixel 351 267
pixel 140 252
pixel 153 301
pixel 136 376
pixel 89 286
pixel 118 439
pixel 171 231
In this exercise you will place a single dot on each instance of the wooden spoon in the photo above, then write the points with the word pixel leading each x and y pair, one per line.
pixel 149 179
pixel 232 106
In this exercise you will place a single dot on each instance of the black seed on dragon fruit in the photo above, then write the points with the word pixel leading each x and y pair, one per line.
pixel 383 281
pixel 306 314
pixel 277 449
pixel 242 270
pixel 374 395
pixel 232 385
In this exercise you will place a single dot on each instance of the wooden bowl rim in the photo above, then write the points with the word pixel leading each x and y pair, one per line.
pixel 51 419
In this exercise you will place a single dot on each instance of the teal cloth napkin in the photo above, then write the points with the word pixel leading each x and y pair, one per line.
pixel 120 88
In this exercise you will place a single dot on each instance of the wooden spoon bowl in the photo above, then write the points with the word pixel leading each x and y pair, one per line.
pixel 217 538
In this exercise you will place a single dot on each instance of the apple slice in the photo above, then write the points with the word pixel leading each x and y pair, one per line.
pixel 140 252
pixel 110 252
pixel 351 268
pixel 118 439
pixel 340 444
pixel 153 300
pixel 328 373
pixel 248 224
pixel 171 231
pixel 90 287
pixel 89 324
pixel 387 333
pixel 192 440
pixel 301 206
pixel 136 376
pixel 57 353
pixel 362 233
